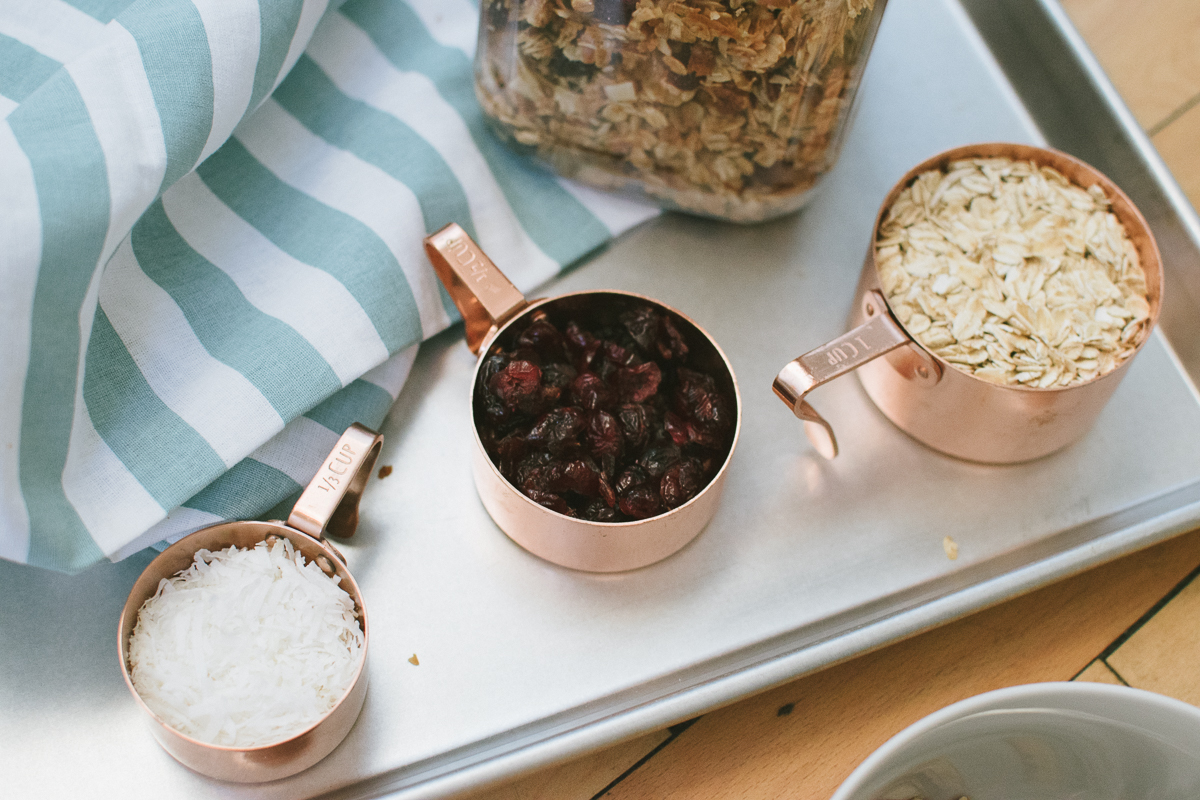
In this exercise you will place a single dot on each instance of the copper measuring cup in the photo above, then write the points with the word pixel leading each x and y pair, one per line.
pixel 931 400
pixel 329 503
pixel 491 308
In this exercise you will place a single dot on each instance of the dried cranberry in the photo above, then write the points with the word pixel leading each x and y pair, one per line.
pixel 642 324
pixel 582 344
pixel 496 415
pixel 591 392
pixel 636 420
pixel 721 415
pixel 557 429
pixel 677 428
pixel 556 378
pixel 696 398
pixel 617 355
pixel 563 66
pixel 551 501
pixel 526 354
pixel 607 493
pixel 549 397
pixel 604 434
pixel 492 365
pixel 781 174
pixel 705 436
pixel 640 502
pixel 613 12
pixel 544 339
pixel 604 369
pixel 670 343
pixel 508 452
pixel 658 458
pixel 599 511
pixel 701 59
pixel 638 384
pixel 608 465
pixel 558 375
pixel 518 384
pixel 684 83
pixel 632 477
pixel 580 477
pixel 681 482
pixel 538 470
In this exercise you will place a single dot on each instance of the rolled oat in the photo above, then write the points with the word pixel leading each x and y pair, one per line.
pixel 1012 273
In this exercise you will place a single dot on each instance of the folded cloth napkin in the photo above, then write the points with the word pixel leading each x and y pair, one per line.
pixel 211 215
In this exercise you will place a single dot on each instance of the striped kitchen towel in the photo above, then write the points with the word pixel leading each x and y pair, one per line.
pixel 211 215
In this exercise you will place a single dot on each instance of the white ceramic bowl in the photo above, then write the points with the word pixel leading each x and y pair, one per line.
pixel 1043 741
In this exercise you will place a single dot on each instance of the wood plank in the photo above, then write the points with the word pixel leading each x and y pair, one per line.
pixel 802 739
pixel 1099 672
pixel 1179 145
pixel 1162 654
pixel 581 779
pixel 1149 48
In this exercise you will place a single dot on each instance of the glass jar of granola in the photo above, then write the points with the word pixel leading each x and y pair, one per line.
pixel 726 108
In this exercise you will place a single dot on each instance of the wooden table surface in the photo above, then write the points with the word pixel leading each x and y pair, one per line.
pixel 1133 621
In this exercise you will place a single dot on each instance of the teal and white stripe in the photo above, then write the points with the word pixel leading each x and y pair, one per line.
pixel 210 248
pixel 56 29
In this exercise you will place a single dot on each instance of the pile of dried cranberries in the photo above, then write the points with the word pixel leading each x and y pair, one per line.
pixel 606 422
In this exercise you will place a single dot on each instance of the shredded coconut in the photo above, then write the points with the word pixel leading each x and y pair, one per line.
pixel 245 647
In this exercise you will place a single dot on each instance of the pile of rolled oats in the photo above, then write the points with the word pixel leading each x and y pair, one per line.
pixel 1009 271
pixel 730 108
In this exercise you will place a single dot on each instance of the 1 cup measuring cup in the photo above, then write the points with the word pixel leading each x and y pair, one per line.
pixel 329 503
pixel 925 395
pixel 697 425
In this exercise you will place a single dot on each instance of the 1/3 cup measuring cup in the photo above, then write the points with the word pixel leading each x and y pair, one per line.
pixel 495 313
pixel 926 396
pixel 329 503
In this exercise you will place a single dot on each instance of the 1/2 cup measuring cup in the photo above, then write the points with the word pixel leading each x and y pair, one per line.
pixel 494 313
pixel 329 503
pixel 929 398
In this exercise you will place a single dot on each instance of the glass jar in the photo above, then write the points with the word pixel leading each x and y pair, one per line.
pixel 725 108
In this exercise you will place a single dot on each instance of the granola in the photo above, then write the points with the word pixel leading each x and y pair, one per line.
pixel 728 108
pixel 1012 273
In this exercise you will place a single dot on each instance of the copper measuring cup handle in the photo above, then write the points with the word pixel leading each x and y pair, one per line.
pixel 485 298
pixel 330 501
pixel 880 334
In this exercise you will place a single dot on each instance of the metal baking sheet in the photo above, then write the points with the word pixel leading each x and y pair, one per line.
pixel 807 562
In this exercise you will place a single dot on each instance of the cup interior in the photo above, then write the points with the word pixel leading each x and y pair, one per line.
pixel 179 556
pixel 603 308
pixel 1050 744
pixel 276 759
pixel 1042 753
pixel 600 309
pixel 1073 169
